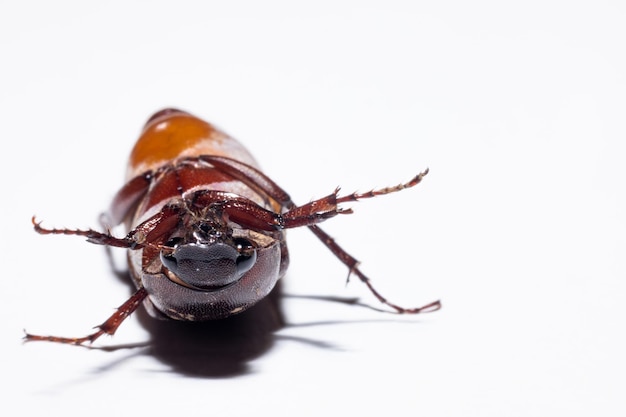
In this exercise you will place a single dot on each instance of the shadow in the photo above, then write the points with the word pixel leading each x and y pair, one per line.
pixel 351 301
pixel 215 349
pixel 222 348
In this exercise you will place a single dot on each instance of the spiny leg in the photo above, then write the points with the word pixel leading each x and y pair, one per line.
pixel 382 191
pixel 108 327
pixel 324 208
pixel 352 263
pixel 139 237
pixel 92 236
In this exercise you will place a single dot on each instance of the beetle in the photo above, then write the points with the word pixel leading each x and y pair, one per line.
pixel 206 228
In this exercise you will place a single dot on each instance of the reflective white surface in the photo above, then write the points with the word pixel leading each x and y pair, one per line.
pixel 519 228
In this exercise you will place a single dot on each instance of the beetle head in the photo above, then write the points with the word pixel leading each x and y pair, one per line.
pixel 209 268
pixel 209 257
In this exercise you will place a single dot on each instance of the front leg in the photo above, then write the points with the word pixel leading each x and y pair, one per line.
pixel 326 207
pixel 92 236
pixel 108 327
pixel 249 214
pixel 140 237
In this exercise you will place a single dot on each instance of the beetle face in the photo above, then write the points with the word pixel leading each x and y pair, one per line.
pixel 210 261
pixel 208 269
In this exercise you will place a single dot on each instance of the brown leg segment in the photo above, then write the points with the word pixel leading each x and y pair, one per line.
pixel 92 236
pixel 108 327
pixel 382 191
pixel 352 265
pixel 139 237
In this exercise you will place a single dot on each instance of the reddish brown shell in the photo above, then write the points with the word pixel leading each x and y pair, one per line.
pixel 173 134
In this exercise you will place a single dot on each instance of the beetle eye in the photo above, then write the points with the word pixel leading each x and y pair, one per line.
pixel 247 255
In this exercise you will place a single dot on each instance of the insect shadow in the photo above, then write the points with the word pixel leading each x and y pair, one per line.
pixel 219 348
pixel 223 348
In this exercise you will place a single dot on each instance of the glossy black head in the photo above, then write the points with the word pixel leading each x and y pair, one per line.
pixel 208 265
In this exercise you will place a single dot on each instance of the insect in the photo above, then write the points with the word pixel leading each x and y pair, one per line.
pixel 206 228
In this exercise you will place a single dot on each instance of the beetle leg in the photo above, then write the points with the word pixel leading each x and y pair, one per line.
pixel 261 182
pixel 108 327
pixel 92 236
pixel 314 212
pixel 352 263
pixel 319 210
pixel 382 191
pixel 250 214
pixel 140 236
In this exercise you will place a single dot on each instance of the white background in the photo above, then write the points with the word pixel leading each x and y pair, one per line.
pixel 519 228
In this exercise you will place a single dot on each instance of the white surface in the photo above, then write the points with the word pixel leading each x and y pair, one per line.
pixel 519 228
